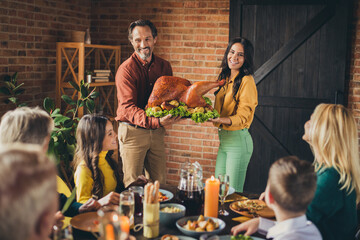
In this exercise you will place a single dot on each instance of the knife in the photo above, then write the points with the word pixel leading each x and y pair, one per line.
pixel 69 201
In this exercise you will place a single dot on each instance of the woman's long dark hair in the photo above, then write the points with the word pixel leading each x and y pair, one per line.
pixel 90 134
pixel 246 69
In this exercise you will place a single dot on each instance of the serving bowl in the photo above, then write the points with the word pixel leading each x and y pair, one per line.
pixel 167 219
pixel 181 222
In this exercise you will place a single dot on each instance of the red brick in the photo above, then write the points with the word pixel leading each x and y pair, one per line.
pixel 195 18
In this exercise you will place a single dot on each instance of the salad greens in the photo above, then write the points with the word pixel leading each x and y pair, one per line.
pixel 198 115
pixel 241 237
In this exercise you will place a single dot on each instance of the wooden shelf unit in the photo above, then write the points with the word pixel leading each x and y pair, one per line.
pixel 71 60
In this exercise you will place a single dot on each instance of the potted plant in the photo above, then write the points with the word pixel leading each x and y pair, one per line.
pixel 63 142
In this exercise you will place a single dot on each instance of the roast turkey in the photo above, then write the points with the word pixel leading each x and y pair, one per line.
pixel 169 88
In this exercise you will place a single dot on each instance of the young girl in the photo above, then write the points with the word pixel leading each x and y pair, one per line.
pixel 235 102
pixel 333 137
pixel 96 172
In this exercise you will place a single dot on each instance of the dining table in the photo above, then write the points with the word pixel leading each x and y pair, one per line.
pixel 173 230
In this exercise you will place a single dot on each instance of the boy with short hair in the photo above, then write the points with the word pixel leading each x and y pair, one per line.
pixel 290 189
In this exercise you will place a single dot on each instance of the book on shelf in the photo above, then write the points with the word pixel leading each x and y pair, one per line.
pixel 101 80
pixel 102 74
pixel 102 71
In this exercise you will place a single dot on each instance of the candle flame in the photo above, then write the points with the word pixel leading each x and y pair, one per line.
pixel 115 218
pixel 212 178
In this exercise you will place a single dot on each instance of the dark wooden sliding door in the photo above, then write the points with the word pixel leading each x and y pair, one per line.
pixel 300 57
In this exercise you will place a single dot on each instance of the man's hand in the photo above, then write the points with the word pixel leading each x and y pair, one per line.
pixel 140 181
pixel 112 198
pixel 248 227
pixel 168 119
pixel 90 205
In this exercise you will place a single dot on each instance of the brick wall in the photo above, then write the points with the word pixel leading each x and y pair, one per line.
pixel 193 36
pixel 29 31
pixel 354 63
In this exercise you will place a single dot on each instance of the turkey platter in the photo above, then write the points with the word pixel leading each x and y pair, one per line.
pixel 178 97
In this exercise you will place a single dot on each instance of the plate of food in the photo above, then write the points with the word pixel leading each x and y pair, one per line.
pixel 252 208
pixel 88 222
pixel 239 237
pixel 177 237
pixel 195 226
pixel 165 195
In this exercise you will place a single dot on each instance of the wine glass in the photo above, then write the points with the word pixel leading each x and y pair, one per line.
pixel 62 234
pixel 138 193
pixel 127 205
pixel 223 191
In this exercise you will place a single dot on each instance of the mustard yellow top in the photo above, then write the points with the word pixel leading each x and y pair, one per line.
pixel 84 180
pixel 241 113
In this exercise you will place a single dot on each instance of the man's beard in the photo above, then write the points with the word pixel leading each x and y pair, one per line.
pixel 144 56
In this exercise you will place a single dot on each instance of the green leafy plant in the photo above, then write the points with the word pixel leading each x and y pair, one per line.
pixel 198 115
pixel 63 141
pixel 12 89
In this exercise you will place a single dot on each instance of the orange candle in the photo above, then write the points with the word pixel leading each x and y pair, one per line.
pixel 212 186
pixel 125 224
pixel 110 235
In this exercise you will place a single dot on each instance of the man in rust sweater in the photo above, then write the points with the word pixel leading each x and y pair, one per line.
pixel 141 138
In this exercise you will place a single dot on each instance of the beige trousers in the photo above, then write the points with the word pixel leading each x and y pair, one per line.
pixel 142 149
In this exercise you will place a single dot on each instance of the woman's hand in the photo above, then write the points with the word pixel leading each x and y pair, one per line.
pixel 222 120
pixel 248 227
pixel 59 219
pixel 140 181
pixel 112 198
pixel 90 205
pixel 169 119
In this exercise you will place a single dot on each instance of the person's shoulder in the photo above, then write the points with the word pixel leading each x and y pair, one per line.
pixel 160 60
pixel 248 78
pixel 82 168
pixel 129 63
pixel 328 173
pixel 327 179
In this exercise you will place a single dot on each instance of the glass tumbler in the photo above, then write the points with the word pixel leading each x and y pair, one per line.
pixel 138 193
pixel 127 205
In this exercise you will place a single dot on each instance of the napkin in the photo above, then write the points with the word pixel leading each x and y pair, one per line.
pixel 241 219
pixel 69 201
pixel 234 197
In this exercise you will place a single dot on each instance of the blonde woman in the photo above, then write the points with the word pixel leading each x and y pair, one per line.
pixel 333 137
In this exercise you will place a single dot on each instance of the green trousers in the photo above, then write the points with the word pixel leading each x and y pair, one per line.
pixel 235 150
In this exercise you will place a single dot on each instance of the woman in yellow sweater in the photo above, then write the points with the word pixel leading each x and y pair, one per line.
pixel 96 172
pixel 235 102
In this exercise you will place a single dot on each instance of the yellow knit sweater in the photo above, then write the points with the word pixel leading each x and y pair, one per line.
pixel 241 113
pixel 84 180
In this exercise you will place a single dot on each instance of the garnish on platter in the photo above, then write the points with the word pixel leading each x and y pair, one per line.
pixel 178 97
pixel 162 197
